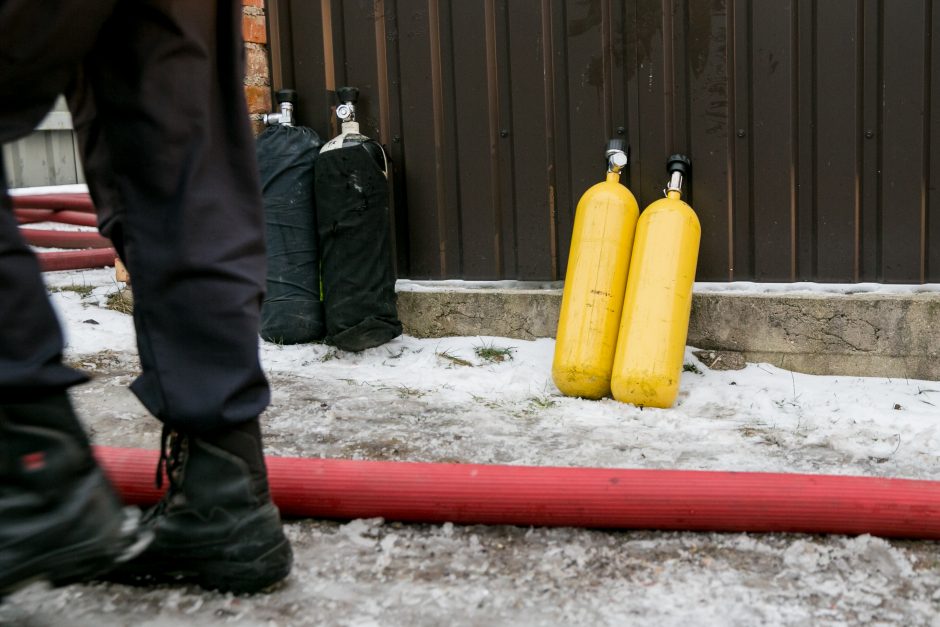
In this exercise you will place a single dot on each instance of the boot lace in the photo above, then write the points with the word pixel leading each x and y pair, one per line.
pixel 173 448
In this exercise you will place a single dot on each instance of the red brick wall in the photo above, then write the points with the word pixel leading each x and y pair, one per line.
pixel 257 73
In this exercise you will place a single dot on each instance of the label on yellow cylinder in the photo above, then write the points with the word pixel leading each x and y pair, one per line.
pixel 657 304
pixel 592 302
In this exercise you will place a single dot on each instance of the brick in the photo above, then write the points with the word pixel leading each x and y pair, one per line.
pixel 258 4
pixel 259 98
pixel 256 65
pixel 256 125
pixel 253 29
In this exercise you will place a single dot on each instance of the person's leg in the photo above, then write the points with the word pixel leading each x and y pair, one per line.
pixel 169 156
pixel 59 517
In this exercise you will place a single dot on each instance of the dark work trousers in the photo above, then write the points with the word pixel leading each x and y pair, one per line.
pixel 156 92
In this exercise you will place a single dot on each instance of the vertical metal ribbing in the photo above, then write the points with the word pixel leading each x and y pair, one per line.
pixel 794 129
pixel 437 105
pixel 492 99
pixel 548 94
pixel 329 69
pixel 669 73
pixel 859 133
pixel 731 38
pixel 925 175
pixel 381 64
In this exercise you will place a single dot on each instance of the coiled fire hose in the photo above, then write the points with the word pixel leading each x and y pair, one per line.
pixel 73 209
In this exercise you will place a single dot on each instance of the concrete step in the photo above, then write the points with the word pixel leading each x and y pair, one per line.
pixel 856 334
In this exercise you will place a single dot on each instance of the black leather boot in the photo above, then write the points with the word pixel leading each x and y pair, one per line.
pixel 216 526
pixel 60 519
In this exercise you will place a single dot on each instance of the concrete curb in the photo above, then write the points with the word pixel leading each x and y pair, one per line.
pixel 887 335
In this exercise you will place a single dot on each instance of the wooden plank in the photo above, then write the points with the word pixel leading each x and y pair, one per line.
pixel 56 121
pixel 30 162
pixel 49 155
pixel 61 148
pixel 79 168
pixel 10 178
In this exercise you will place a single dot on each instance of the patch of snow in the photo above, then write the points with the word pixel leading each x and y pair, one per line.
pixel 807 287
pixel 735 287
pixel 408 285
pixel 79 188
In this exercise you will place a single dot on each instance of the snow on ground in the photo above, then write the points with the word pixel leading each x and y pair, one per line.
pixel 453 399
pixel 760 418
pixel 736 287
pixel 78 188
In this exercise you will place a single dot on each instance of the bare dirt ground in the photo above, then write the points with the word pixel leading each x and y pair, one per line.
pixel 371 572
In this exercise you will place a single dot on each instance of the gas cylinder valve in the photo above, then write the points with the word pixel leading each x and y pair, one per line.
pixel 617 158
pixel 678 167
pixel 351 134
pixel 346 110
pixel 286 99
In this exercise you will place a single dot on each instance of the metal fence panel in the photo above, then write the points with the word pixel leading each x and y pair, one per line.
pixel 811 125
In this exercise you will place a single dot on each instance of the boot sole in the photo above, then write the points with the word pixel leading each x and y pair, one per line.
pixel 248 577
pixel 81 561
pixel 240 575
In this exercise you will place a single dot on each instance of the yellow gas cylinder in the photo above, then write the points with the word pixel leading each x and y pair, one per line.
pixel 601 243
pixel 658 301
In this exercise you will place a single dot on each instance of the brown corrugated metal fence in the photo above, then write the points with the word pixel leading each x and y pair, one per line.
pixel 814 127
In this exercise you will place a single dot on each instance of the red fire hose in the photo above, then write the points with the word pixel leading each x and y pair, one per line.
pixel 73 202
pixel 577 497
pixel 64 239
pixel 78 218
pixel 31 216
pixel 77 259
pixel 76 209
